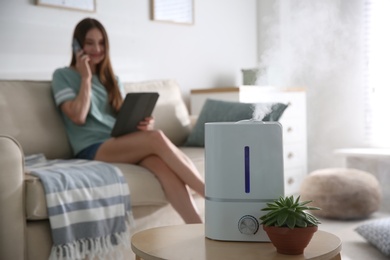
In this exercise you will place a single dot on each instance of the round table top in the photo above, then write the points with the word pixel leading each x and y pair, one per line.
pixel 189 242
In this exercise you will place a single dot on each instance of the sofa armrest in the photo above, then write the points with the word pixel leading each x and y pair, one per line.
pixel 12 215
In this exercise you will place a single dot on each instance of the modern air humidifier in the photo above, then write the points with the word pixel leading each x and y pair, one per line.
pixel 243 171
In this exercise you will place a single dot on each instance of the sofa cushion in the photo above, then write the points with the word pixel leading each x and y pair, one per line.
pixel 377 233
pixel 145 189
pixel 170 114
pixel 28 113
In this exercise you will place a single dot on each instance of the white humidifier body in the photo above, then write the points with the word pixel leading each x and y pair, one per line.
pixel 243 171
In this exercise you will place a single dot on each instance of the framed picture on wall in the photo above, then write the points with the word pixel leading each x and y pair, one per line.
pixel 80 5
pixel 175 11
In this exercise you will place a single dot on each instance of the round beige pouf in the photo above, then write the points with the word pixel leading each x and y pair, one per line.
pixel 342 193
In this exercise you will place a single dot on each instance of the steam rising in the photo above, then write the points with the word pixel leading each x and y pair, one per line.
pixel 310 41
pixel 260 111
pixel 315 44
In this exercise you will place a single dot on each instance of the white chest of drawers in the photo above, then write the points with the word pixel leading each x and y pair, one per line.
pixel 293 122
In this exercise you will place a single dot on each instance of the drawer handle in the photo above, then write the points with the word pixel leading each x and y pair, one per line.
pixel 290 180
pixel 289 129
pixel 290 155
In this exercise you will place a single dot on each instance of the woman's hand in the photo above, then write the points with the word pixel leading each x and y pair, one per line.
pixel 82 65
pixel 147 124
pixel 77 109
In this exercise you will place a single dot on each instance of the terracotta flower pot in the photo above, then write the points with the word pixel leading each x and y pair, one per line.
pixel 290 241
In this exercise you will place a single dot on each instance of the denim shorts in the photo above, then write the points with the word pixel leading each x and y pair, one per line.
pixel 89 152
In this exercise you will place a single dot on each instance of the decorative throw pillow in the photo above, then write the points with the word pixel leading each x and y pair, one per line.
pixel 227 111
pixel 377 233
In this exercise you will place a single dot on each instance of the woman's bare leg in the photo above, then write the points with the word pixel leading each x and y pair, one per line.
pixel 175 190
pixel 134 147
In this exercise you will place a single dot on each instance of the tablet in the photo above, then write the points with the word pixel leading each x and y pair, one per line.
pixel 135 108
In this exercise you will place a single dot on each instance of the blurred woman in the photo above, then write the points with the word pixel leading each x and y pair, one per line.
pixel 89 96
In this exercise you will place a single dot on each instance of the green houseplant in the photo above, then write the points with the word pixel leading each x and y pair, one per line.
pixel 288 224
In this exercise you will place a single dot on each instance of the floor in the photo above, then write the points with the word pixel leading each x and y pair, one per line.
pixel 354 247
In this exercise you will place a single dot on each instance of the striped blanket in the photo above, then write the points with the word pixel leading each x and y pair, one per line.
pixel 88 204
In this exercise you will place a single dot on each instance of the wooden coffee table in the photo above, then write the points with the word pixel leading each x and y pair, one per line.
pixel 183 242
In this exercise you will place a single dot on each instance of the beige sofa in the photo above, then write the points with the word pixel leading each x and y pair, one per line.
pixel 30 124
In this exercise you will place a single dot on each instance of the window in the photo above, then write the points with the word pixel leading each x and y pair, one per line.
pixel 378 72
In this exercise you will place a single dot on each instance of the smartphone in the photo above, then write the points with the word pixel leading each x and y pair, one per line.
pixel 75 46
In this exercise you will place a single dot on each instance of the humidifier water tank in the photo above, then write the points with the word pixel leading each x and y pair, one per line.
pixel 243 171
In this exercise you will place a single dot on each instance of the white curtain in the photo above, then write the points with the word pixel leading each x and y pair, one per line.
pixel 378 72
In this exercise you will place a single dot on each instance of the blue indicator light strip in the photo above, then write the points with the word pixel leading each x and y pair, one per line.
pixel 247 169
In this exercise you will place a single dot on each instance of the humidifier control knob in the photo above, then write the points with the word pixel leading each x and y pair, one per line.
pixel 248 225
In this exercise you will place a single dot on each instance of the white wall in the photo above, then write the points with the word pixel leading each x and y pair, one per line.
pixel 318 45
pixel 34 40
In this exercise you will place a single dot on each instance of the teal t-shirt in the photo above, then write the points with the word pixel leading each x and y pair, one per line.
pixel 101 117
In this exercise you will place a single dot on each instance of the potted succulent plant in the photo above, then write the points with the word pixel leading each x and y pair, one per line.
pixel 288 224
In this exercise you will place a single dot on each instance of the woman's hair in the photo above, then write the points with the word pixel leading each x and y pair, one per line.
pixel 104 69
